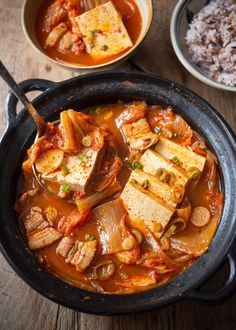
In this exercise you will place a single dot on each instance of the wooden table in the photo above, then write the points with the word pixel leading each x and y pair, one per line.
pixel 23 308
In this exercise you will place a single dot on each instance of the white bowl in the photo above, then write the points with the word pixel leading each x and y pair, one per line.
pixel 29 12
pixel 178 30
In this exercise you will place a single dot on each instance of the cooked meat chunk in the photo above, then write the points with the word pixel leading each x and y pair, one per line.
pixel 138 134
pixel 24 199
pixel 35 220
pixel 150 278
pixel 132 113
pixel 55 35
pixel 64 247
pixel 78 254
pixel 55 14
pixel 187 158
pixel 138 127
pixel 143 205
pixel 129 257
pixel 152 161
pixel 39 239
pixel 66 43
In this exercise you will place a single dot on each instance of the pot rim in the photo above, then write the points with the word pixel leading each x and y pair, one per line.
pixel 149 294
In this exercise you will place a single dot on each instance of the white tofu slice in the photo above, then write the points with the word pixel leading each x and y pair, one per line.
pixel 155 186
pixel 152 161
pixel 187 157
pixel 145 206
pixel 103 31
pixel 80 168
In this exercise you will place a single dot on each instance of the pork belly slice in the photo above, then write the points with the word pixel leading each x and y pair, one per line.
pixel 138 134
pixel 35 220
pixel 103 31
pixel 78 254
pixel 145 206
pixel 80 169
pixel 40 239
pixel 39 232
pixel 55 35
pixel 154 185
pixel 152 161
pixel 187 158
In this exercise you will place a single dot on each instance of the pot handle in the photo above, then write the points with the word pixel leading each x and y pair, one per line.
pixel 28 85
pixel 223 293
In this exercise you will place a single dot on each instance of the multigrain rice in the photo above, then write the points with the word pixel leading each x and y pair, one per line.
pixel 211 40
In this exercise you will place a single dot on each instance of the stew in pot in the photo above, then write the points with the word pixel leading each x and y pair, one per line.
pixel 129 197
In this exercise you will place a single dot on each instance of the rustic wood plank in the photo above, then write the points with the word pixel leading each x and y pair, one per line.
pixel 20 306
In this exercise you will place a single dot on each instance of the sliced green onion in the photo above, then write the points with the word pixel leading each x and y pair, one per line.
pixel 65 187
pixel 145 183
pixel 137 165
pixel 175 161
pixel 175 135
pixel 171 231
pixel 161 173
pixel 193 173
pixel 90 35
pixel 169 178
pixel 89 237
pixel 105 48
pixel 86 141
pixel 83 158
pixel 65 169
pixel 96 31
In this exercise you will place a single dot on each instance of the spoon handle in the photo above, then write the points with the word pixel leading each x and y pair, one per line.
pixel 40 123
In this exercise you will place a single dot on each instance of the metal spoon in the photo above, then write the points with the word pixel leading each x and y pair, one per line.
pixel 17 90
pixel 39 121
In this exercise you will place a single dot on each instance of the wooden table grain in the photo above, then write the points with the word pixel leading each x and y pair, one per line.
pixel 23 308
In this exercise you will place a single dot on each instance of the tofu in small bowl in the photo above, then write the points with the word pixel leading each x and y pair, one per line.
pixel 97 39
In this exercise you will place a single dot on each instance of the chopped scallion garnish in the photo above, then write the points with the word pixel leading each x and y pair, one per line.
pixel 144 184
pixel 175 161
pixel 137 165
pixel 105 48
pixel 86 141
pixel 65 187
pixel 65 169
pixel 89 237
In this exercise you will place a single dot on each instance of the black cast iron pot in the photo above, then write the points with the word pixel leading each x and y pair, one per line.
pixel 96 89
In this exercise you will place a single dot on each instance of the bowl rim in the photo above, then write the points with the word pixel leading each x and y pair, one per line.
pixel 191 67
pixel 142 301
pixel 87 68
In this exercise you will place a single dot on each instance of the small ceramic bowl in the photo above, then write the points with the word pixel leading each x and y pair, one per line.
pixel 29 13
pixel 181 17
